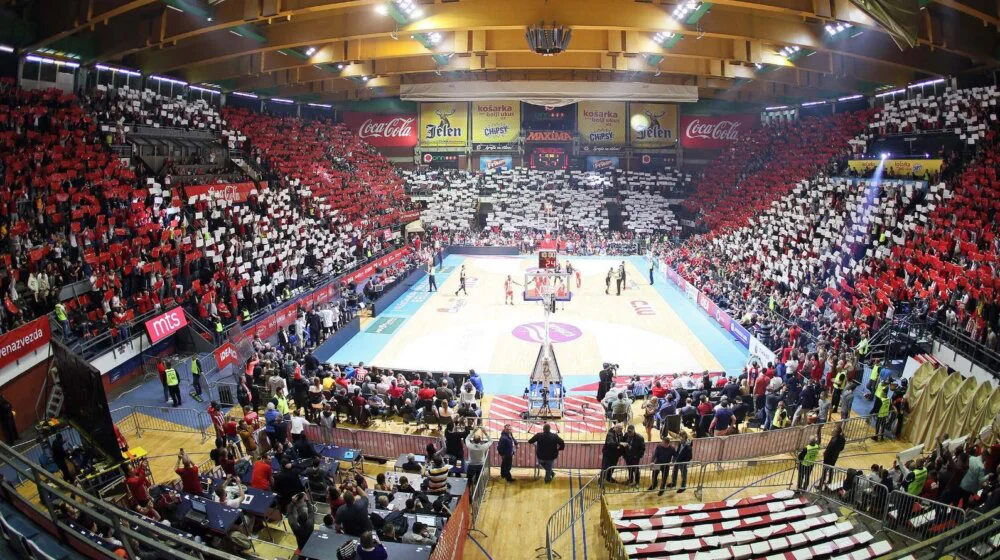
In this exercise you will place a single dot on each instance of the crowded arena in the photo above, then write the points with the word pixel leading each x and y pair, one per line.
pixel 414 280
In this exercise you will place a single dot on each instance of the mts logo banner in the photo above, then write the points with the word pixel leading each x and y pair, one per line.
pixel 165 325
pixel 226 355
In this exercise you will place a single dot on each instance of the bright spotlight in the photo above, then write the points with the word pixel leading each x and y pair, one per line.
pixel 382 10
pixel 884 156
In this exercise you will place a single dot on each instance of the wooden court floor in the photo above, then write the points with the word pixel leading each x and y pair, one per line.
pixel 456 332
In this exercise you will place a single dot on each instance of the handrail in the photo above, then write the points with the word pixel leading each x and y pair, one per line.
pixel 126 525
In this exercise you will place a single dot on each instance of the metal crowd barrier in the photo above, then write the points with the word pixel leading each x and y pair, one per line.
pixel 859 493
pixel 477 494
pixel 142 418
pixel 918 519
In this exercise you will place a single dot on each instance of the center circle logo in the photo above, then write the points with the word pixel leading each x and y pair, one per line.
pixel 558 332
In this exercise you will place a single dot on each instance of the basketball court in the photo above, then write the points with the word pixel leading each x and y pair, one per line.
pixel 647 329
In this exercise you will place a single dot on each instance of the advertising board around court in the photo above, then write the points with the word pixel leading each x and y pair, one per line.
pixel 601 122
pixel 754 346
pixel 24 340
pixel 444 125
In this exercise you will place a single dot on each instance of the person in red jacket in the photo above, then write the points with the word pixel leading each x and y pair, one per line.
pixel 262 475
pixel 161 370
pixel 760 390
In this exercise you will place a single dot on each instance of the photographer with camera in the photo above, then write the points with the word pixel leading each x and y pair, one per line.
pixel 606 380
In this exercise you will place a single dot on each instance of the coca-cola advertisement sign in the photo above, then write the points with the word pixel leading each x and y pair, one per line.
pixel 712 133
pixel 383 131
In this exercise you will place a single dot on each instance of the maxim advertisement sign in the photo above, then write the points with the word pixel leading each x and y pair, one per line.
pixel 713 133
pixel 383 131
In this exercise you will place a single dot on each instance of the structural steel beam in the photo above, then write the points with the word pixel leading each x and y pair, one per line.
pixel 723 23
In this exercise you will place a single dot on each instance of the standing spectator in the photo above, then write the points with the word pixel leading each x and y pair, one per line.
pixel 188 472
pixel 847 399
pixel 663 455
pixel 831 454
pixel 681 460
pixel 477 382
pixel 506 447
pixel 633 453
pixel 478 443
pixel 161 370
pixel 613 450
pixel 547 448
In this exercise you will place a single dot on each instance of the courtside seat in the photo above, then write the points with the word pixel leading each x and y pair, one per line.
pixel 711 517
pixel 795 516
pixel 645 513
pixel 721 548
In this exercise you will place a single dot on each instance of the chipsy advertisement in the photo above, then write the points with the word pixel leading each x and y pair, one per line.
pixel 602 163
pixel 495 122
pixel 659 122
pixel 601 122
pixel 444 125
pixel 898 167
pixel 495 163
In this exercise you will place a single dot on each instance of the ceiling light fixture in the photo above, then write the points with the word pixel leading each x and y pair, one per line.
pixel 310 51
pixel 382 10
pixel 684 9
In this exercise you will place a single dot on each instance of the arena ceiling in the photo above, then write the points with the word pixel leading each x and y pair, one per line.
pixel 327 50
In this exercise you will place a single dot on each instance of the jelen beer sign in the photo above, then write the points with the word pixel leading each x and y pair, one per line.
pixel 162 326
pixel 383 131
pixel 712 133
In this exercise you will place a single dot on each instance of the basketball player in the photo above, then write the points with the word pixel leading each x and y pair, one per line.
pixel 461 281
pixel 621 275
pixel 508 290
pixel 431 283
pixel 607 280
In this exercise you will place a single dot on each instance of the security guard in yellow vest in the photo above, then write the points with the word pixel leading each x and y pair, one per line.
pixel 246 315
pixel 882 402
pixel 916 478
pixel 173 385
pixel 62 318
pixel 807 458
pixel 281 403
pixel 196 375
pixel 218 330
pixel 839 380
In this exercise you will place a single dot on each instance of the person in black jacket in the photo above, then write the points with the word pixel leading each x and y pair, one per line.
pixel 681 460
pixel 613 450
pixel 663 455
pixel 831 454
pixel 286 485
pixel 547 448
pixel 633 453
